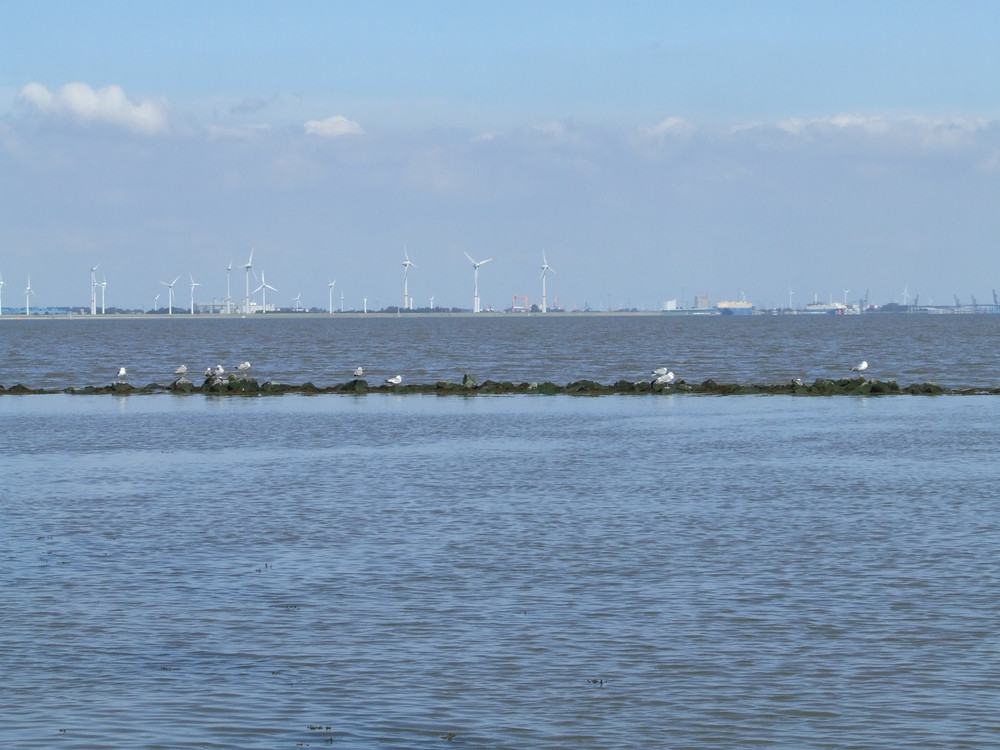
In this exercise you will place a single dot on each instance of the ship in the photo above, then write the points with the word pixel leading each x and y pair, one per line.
pixel 735 308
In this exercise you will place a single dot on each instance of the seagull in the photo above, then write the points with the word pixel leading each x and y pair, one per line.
pixel 394 381
pixel 860 367
pixel 660 371
pixel 209 372
pixel 243 367
pixel 358 372
pixel 122 374
pixel 181 370
pixel 797 381
pixel 219 371
pixel 664 379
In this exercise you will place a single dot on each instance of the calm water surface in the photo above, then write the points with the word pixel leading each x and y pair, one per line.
pixel 953 350
pixel 509 572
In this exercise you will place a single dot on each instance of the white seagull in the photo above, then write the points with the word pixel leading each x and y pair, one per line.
pixel 243 367
pixel 358 372
pixel 860 367
pixel 181 370
pixel 219 371
pixel 209 372
pixel 394 381
pixel 660 371
pixel 122 374
pixel 664 379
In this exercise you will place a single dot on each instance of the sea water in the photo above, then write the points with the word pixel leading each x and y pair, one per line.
pixel 505 572
pixel 955 351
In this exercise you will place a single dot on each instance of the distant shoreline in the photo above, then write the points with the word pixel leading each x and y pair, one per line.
pixel 318 316
pixel 687 313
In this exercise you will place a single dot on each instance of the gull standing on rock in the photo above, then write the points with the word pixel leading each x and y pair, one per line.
pixel 122 374
pixel 860 367
pixel 660 371
pixel 219 371
pixel 665 378
pixel 243 367
pixel 181 370
pixel 394 381
pixel 358 372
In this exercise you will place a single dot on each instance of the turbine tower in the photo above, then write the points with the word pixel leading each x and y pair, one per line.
pixel 170 295
pixel 545 269
pixel 229 294
pixel 246 300
pixel 104 286
pixel 297 299
pixel 28 291
pixel 264 286
pixel 156 299
pixel 193 285
pixel 475 280
pixel 93 289
pixel 407 302
pixel 2 285
pixel 331 295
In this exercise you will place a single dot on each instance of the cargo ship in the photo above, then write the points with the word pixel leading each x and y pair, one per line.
pixel 735 308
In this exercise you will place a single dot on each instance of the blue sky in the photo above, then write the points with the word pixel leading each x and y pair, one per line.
pixel 654 150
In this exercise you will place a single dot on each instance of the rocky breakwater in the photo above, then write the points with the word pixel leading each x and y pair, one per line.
pixel 232 385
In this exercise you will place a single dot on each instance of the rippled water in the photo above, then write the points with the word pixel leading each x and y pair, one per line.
pixel 498 572
pixel 953 350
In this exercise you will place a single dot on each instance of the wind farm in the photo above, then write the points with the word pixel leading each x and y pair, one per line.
pixel 485 297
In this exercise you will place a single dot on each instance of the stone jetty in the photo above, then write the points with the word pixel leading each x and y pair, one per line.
pixel 231 385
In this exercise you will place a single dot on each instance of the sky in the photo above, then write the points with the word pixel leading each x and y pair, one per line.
pixel 775 151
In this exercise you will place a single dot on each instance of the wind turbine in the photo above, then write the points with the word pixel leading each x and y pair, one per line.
pixel 545 269
pixel 170 295
pixel 2 285
pixel 104 286
pixel 845 296
pixel 193 285
pixel 264 286
pixel 790 295
pixel 406 270
pixel 475 280
pixel 297 299
pixel 229 294
pixel 93 289
pixel 28 291
pixel 331 295
pixel 247 266
pixel 156 299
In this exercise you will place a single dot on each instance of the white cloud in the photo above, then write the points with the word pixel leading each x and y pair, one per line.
pixel 670 126
pixel 907 132
pixel 562 134
pixel 841 122
pixel 333 127
pixel 107 105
